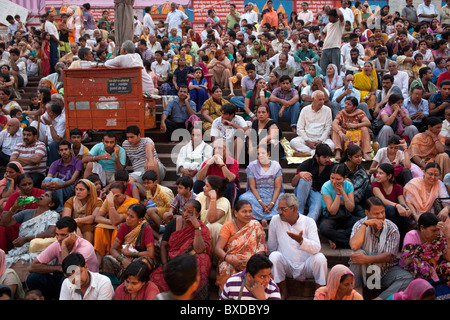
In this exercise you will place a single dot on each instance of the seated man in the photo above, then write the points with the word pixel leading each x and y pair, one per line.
pixel 306 93
pixel 310 176
pixel 401 78
pixel 85 58
pixel 223 165
pixel 313 127
pixel 375 244
pixel 440 100
pixel 417 107
pixel 283 68
pixel 142 154
pixel 78 149
pixel 232 128
pixel 387 89
pixel 52 130
pixel 341 94
pixel 258 271
pixel 177 112
pixel 9 138
pixel 105 158
pixel 161 68
pixel 424 80
pixel 47 276
pixel 32 155
pixel 247 84
pixel 284 103
pixel 294 246
pixel 129 58
pixel 63 173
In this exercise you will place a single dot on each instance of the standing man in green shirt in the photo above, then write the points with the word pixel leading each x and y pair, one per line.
pixel 233 17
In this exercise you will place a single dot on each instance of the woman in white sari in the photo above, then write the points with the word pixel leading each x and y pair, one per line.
pixel 35 223
pixel 193 154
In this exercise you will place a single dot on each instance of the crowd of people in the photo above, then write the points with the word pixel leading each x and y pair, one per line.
pixel 354 85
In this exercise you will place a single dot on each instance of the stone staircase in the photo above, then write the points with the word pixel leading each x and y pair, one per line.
pixel 298 290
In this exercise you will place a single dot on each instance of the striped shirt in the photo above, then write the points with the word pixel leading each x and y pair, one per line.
pixel 136 153
pixel 179 202
pixel 390 245
pixel 37 148
pixel 233 287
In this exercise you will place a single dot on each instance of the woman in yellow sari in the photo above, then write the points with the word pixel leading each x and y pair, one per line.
pixel 211 109
pixel 239 239
pixel 109 218
pixel 366 82
pixel 429 146
pixel 134 241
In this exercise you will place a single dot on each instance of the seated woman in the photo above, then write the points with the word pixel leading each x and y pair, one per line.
pixel 418 289
pixel 134 242
pixel 220 68
pixel 340 285
pixel 425 251
pixel 136 284
pixel 8 185
pixel 404 170
pixel 274 81
pixel 357 175
pixel 211 109
pixel 338 203
pixel 34 223
pixel 198 88
pixel 391 194
pixel 351 119
pixel 26 189
pixel 429 146
pixel 268 133
pixel 264 186
pixel 109 217
pixel 366 82
pixel 239 73
pixel 256 97
pixel 180 75
pixel 186 234
pixel 332 80
pixel 216 209
pixel 239 239
pixel 82 206
pixel 314 70
pixel 396 121
pixel 9 277
pixel 420 193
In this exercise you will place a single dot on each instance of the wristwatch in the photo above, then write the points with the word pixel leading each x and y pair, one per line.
pixel 199 228
pixel 365 224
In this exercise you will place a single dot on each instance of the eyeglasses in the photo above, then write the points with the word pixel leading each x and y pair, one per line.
pixel 283 209
pixel 436 175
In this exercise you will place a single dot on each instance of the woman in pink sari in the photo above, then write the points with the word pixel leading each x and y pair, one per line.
pixel 186 234
pixel 418 289
pixel 340 285
pixel 239 239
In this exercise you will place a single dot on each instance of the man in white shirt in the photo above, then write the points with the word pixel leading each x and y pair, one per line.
pixel 313 126
pixel 50 27
pixel 8 139
pixel 306 15
pixel 354 62
pixel 82 284
pixel 277 44
pixel 205 32
pixel 250 15
pixel 129 58
pixel 148 21
pixel 401 78
pixel 161 68
pixel 347 11
pixel 285 48
pixel 353 43
pixel 18 69
pixel 12 28
pixel 153 44
pixel 294 246
pixel 426 11
pixel 175 18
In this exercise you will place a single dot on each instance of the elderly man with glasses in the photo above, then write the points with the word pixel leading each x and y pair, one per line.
pixel 294 246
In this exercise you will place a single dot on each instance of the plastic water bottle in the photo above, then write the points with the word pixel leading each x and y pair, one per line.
pixel 27 200
pixel 350 85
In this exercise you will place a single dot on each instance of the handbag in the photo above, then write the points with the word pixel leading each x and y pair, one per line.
pixel 439 204
pixel 378 124
pixel 354 137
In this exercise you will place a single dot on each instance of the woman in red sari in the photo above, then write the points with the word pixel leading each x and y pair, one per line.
pixel 185 234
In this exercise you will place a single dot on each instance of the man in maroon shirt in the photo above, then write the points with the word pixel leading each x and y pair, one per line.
pixel 223 165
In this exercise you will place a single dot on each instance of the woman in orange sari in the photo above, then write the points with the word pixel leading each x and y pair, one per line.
pixel 186 234
pixel 340 285
pixel 429 146
pixel 239 239
pixel 109 218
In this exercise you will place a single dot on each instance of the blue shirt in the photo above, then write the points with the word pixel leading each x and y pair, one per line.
pixel 436 74
pixel 355 93
pixel 423 107
pixel 108 165
pixel 327 189
pixel 177 112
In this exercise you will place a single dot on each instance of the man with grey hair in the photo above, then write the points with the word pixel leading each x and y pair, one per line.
pixel 313 126
pixel 294 246
pixel 129 58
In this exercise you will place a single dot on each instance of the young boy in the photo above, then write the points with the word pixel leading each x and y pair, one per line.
pixel 17 113
pixel 132 190
pixel 262 65
pixel 418 64
pixel 158 199
pixel 440 67
pixel 78 149
pixel 184 194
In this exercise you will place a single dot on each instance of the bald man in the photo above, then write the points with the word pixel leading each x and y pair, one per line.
pixel 9 137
